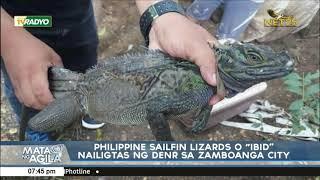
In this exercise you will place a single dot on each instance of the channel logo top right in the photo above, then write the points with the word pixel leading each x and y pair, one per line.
pixel 280 20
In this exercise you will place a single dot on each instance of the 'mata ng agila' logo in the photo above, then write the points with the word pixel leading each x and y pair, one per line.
pixel 33 21
pixel 279 20
pixel 42 154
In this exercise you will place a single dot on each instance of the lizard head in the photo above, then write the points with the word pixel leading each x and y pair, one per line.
pixel 242 65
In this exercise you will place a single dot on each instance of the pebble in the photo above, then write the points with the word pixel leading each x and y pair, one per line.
pixel 13 131
pixel 123 136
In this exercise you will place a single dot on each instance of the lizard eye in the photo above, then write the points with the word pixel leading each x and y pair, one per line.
pixel 254 57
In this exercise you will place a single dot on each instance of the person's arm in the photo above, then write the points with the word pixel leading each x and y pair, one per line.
pixel 180 37
pixel 26 60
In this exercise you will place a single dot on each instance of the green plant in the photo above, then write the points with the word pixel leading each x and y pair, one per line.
pixel 306 106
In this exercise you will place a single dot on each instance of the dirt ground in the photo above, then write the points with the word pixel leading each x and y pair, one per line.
pixel 118 31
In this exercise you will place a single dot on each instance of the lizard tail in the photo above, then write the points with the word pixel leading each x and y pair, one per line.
pixel 58 114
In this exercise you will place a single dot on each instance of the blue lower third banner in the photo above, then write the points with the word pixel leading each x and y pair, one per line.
pixel 152 153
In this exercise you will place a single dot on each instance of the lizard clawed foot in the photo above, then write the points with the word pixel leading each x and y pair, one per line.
pixel 160 127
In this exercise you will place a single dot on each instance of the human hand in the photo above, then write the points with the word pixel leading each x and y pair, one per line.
pixel 27 60
pixel 180 37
